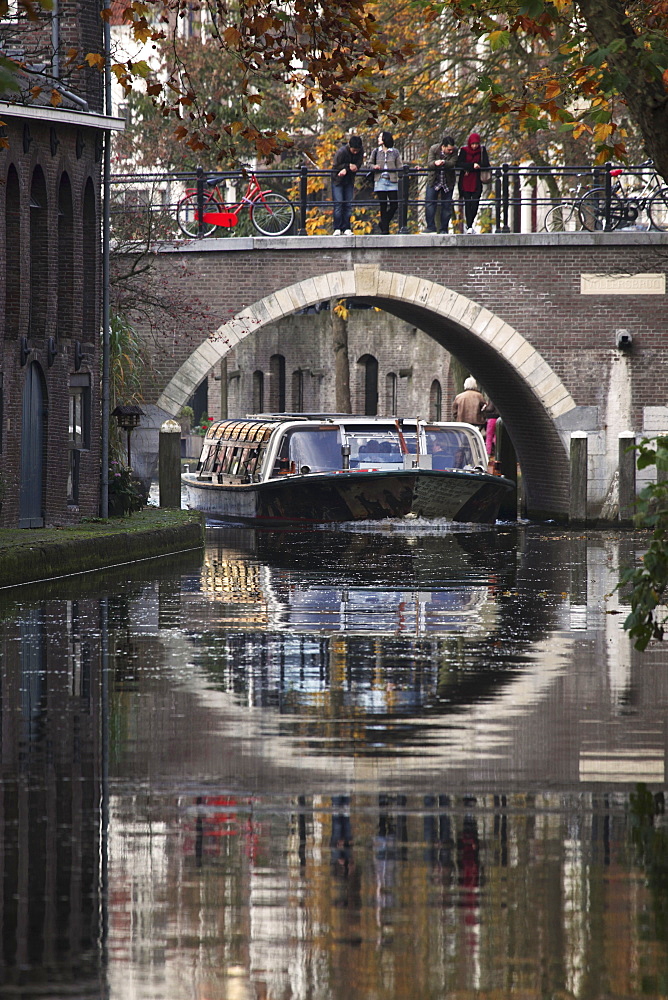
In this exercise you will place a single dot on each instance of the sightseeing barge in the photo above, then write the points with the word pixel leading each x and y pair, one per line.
pixel 323 468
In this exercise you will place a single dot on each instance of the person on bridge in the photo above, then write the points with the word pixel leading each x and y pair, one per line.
pixel 441 161
pixel 472 160
pixel 469 406
pixel 347 162
pixel 385 162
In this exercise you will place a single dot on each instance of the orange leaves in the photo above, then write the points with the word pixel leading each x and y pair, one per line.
pixel 603 130
pixel 232 36
pixel 95 60
pixel 552 89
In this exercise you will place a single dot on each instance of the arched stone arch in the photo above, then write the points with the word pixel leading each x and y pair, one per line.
pixel 527 391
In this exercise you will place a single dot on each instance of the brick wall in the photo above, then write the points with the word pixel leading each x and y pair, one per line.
pixel 532 285
pixel 49 296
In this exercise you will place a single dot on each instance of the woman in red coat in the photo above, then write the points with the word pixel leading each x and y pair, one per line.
pixel 471 160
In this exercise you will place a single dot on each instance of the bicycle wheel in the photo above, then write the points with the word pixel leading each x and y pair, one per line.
pixel 273 214
pixel 658 210
pixel 187 216
pixel 591 209
pixel 562 219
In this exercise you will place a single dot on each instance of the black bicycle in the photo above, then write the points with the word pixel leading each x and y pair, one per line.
pixel 623 208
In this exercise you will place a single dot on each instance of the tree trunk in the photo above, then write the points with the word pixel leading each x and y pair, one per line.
pixel 643 89
pixel 341 365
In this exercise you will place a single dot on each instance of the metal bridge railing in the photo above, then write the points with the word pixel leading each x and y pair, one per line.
pixel 519 199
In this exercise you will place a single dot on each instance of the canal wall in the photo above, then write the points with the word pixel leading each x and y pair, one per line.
pixel 28 557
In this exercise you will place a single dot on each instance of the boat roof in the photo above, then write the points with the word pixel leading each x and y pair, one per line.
pixel 256 428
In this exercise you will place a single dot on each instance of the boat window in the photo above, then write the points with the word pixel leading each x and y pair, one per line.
pixel 235 448
pixel 318 448
pixel 375 446
pixel 209 457
pixel 451 448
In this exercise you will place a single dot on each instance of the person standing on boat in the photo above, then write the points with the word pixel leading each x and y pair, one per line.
pixel 347 162
pixel 491 415
pixel 468 406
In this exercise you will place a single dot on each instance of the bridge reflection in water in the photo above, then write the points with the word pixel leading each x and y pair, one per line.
pixel 400 763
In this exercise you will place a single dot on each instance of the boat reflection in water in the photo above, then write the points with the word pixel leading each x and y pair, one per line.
pixel 324 602
pixel 363 624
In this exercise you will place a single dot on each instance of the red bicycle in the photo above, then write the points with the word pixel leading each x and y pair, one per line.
pixel 272 214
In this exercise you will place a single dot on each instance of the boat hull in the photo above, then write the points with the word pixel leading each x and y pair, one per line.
pixel 354 496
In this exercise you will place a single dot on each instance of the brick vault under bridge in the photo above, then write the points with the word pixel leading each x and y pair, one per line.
pixel 537 319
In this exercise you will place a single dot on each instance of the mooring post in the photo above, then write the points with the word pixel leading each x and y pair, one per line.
pixel 169 464
pixel 577 507
pixel 627 477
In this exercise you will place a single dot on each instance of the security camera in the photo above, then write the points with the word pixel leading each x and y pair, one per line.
pixel 623 339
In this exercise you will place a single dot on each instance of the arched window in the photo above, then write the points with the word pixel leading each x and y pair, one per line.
pixel 297 391
pixel 258 391
pixel 65 259
pixel 370 367
pixel 436 401
pixel 277 385
pixel 391 394
pixel 39 254
pixel 90 318
pixel 12 254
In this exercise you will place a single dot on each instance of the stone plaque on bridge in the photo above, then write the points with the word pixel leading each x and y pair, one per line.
pixel 622 284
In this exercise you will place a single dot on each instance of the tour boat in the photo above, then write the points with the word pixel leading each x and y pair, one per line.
pixel 323 468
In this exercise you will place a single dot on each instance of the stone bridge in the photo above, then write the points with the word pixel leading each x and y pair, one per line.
pixel 567 332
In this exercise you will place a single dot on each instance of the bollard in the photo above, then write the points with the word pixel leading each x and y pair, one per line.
pixel 577 505
pixel 627 478
pixel 169 464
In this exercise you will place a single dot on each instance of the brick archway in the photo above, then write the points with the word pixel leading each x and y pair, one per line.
pixel 529 394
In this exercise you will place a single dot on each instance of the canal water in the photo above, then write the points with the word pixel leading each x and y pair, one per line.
pixel 397 762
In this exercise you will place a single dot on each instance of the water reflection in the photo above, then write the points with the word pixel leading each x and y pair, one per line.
pixel 50 799
pixel 397 763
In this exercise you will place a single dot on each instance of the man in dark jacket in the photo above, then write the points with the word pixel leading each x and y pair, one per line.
pixel 347 162
pixel 441 161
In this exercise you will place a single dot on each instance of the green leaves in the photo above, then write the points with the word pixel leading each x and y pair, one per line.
pixel 649 581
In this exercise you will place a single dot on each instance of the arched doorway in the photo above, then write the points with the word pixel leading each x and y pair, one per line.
pixel 369 365
pixel 32 449
pixel 436 401
pixel 277 383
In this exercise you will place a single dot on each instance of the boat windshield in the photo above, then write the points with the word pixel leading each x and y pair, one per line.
pixel 376 446
pixel 316 449
pixel 452 448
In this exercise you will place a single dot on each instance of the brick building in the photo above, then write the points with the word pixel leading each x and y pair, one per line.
pixel 50 269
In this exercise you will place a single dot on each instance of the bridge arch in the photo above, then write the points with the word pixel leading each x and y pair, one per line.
pixel 528 393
